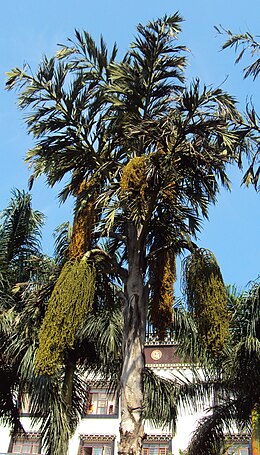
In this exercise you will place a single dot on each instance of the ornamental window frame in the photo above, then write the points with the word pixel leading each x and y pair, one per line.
pixel 20 441
pixel 238 444
pixel 104 444
pixel 157 444
pixel 101 403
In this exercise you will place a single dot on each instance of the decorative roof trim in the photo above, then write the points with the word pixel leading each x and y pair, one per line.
pixel 168 366
pixel 97 437
pixel 27 435
pixel 157 437
pixel 154 342
pixel 238 437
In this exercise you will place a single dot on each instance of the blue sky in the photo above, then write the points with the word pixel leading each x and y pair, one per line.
pixel 30 28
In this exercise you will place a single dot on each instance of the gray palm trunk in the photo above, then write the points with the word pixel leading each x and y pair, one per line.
pixel 135 311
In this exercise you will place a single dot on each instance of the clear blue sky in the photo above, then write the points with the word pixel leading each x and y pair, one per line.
pixel 30 28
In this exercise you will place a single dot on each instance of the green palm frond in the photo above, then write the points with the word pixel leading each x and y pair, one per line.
pixel 168 398
pixel 62 236
pixel 142 85
pixel 159 404
pixel 244 42
pixel 20 232
pixel 190 346
pixel 209 437
pixel 50 410
pixel 103 329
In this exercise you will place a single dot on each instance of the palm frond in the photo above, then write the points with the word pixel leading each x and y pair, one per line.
pixel 209 437
pixel 244 42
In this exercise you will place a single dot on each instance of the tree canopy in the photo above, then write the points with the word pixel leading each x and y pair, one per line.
pixel 144 155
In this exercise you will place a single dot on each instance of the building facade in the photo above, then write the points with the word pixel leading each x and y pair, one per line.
pixel 98 430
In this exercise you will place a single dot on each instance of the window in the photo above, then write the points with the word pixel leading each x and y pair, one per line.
pixel 96 445
pixel 101 403
pixel 155 448
pixel 238 450
pixel 26 445
pixel 97 449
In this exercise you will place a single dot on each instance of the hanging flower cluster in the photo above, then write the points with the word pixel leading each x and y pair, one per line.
pixel 207 298
pixel 134 177
pixel 73 295
pixel 72 298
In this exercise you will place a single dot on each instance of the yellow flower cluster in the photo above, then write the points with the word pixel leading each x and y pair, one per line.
pixel 71 300
pixel 133 180
pixel 207 299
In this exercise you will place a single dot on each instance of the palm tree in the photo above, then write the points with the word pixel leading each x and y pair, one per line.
pixel 49 395
pixel 21 265
pixel 97 348
pixel 27 280
pixel 169 139
pixel 144 156
pixel 233 380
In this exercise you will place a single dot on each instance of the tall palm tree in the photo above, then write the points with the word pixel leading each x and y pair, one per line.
pixel 174 144
pixel 97 348
pixel 144 155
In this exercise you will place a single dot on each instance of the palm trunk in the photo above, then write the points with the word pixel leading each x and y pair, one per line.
pixel 70 368
pixel 256 430
pixel 61 445
pixel 131 426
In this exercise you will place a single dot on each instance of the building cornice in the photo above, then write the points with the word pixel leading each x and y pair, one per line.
pixel 97 437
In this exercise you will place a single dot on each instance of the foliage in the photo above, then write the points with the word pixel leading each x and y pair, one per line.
pixel 22 266
pixel 19 237
pixel 245 42
pixel 62 236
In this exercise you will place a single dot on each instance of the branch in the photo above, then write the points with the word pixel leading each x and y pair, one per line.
pixel 121 271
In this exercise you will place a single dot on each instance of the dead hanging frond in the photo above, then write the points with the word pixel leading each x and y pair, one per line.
pixel 83 221
pixel 82 231
pixel 163 271
pixel 207 298
pixel 72 298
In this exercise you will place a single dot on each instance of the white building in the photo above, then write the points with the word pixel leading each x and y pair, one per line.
pixel 98 430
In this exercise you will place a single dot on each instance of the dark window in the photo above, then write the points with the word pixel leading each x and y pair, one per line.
pixel 101 402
